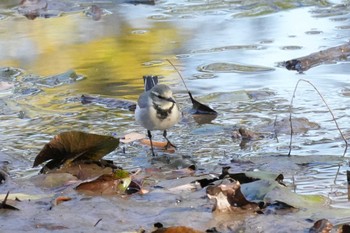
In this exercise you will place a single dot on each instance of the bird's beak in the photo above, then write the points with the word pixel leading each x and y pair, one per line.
pixel 171 99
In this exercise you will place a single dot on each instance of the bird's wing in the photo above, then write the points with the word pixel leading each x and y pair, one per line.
pixel 150 81
pixel 143 100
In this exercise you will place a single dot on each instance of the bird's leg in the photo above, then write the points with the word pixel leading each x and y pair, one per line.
pixel 168 142
pixel 150 139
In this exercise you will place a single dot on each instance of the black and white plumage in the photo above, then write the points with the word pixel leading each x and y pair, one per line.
pixel 156 108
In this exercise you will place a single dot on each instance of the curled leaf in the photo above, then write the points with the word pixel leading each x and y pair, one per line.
pixel 74 145
pixel 60 199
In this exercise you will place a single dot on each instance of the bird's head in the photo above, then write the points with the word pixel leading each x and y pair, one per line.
pixel 162 95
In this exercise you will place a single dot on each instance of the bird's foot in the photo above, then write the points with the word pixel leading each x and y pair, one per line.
pixel 169 145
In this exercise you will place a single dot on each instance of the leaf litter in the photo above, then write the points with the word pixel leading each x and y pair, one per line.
pixel 273 191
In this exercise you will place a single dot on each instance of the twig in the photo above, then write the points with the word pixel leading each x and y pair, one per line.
pixel 330 111
pixel 178 74
pixel 98 221
pixel 275 129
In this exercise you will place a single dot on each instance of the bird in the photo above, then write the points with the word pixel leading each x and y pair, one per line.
pixel 156 109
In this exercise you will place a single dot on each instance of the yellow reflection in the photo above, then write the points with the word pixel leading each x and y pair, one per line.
pixel 108 51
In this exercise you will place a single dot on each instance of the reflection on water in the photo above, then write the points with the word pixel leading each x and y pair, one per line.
pixel 116 51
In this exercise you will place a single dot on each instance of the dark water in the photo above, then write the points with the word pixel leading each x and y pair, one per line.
pixel 228 53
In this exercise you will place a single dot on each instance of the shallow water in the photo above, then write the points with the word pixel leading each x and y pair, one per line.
pixel 228 53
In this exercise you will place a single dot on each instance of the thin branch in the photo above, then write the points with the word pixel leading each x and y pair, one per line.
pixel 178 74
pixel 329 109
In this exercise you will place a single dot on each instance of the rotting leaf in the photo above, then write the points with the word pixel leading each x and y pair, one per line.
pixel 53 180
pixel 75 146
pixel 104 184
pixel 5 206
pixel 321 226
pixel 241 177
pixel 277 207
pixel 344 228
pixel 109 184
pixel 279 180
pixel 84 171
pixel 174 229
pixel 32 8
pixel 161 145
pixel 229 198
pixel 58 200
pixel 95 12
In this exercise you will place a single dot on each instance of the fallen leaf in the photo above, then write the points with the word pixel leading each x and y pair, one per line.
pixel 58 200
pixel 105 184
pixel 84 171
pixel 344 228
pixel 95 12
pixel 74 145
pixel 156 144
pixel 229 198
pixel 32 8
pixel 174 229
pixel 321 226
pixel 53 180
pixel 131 137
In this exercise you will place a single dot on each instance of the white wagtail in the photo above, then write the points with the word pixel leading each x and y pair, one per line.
pixel 156 108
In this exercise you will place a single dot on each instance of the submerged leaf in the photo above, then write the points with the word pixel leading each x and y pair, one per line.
pixel 160 145
pixel 174 229
pixel 321 226
pixel 228 197
pixel 74 145
pixel 105 184
pixel 118 182
pixel 109 102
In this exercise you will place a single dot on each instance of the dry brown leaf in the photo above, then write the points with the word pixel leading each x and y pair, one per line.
pixel 60 199
pixel 179 229
pixel 156 144
pixel 131 137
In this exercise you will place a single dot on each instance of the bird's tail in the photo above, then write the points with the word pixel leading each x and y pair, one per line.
pixel 150 81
